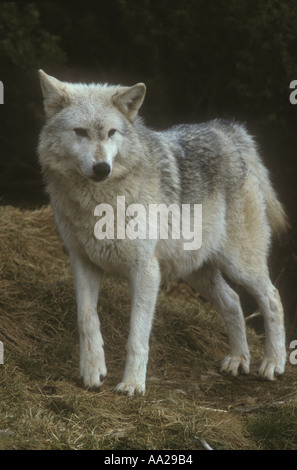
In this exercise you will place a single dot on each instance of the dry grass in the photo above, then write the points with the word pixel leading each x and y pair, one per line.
pixel 42 402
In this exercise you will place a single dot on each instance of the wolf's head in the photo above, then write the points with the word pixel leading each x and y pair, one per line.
pixel 88 126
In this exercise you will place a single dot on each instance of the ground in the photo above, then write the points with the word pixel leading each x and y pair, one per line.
pixel 188 402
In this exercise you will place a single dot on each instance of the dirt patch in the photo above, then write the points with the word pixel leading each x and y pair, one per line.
pixel 42 402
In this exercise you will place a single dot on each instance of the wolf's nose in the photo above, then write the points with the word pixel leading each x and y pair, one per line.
pixel 101 171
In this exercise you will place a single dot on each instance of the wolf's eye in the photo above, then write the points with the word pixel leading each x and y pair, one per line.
pixel 111 132
pixel 81 131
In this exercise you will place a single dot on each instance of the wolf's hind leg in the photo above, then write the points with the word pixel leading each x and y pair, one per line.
pixel 244 260
pixel 275 346
pixel 254 277
pixel 268 299
pixel 210 283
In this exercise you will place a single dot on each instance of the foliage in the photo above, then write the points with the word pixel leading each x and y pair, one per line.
pixel 200 60
pixel 23 42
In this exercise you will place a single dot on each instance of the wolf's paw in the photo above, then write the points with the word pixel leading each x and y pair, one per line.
pixel 93 377
pixel 232 365
pixel 130 389
pixel 92 374
pixel 271 368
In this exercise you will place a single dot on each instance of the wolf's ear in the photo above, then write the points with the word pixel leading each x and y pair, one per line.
pixel 129 100
pixel 54 93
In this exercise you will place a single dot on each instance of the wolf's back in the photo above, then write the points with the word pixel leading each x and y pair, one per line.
pixel 231 139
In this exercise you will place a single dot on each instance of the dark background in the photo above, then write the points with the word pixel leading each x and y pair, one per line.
pixel 200 59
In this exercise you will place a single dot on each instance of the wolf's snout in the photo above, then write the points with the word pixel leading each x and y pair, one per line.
pixel 101 171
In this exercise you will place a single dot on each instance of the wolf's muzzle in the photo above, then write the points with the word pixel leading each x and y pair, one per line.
pixel 101 171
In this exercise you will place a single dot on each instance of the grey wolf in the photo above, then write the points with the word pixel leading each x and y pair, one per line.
pixel 95 147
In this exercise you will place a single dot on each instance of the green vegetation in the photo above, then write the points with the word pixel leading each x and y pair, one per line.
pixel 199 59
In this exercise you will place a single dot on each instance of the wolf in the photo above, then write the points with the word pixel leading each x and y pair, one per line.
pixel 94 147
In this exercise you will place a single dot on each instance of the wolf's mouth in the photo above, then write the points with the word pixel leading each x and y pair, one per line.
pixel 97 179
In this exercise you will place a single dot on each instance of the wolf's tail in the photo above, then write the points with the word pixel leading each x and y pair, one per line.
pixel 276 214
pixel 275 211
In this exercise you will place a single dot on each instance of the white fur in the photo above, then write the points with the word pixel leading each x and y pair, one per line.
pixel 236 230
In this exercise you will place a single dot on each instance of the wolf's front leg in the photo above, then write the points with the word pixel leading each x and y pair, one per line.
pixel 87 282
pixel 144 286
